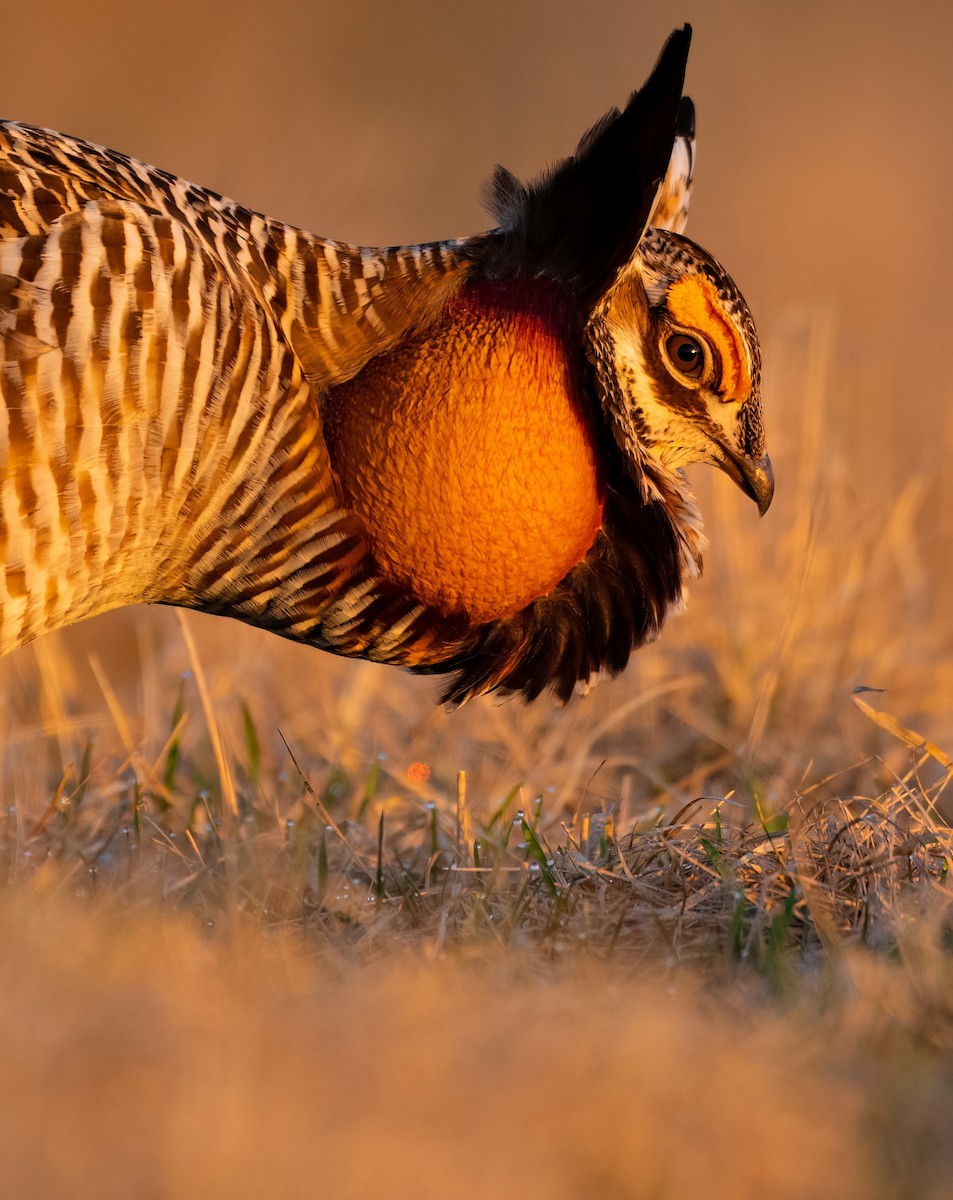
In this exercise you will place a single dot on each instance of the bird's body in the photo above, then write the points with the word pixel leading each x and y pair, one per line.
pixel 442 456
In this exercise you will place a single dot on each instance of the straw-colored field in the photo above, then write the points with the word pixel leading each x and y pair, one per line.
pixel 274 925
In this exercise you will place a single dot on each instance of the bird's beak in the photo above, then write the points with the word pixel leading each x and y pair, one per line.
pixel 755 476
pixel 758 476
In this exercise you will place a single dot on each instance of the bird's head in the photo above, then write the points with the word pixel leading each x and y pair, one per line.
pixel 677 356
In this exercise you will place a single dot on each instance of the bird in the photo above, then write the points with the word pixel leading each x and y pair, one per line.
pixel 462 458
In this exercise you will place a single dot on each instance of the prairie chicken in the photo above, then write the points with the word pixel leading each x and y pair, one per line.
pixel 458 457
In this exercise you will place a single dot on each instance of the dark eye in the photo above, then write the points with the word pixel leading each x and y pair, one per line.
pixel 686 354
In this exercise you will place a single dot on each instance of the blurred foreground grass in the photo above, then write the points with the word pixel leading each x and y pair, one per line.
pixel 144 1058
pixel 274 925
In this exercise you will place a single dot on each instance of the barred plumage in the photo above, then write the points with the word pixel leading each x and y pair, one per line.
pixel 186 387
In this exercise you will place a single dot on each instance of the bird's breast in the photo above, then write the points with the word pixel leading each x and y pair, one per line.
pixel 468 452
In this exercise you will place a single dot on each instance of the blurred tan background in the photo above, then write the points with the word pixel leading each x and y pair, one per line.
pixel 824 181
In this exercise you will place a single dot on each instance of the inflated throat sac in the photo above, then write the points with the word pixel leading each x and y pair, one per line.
pixel 468 453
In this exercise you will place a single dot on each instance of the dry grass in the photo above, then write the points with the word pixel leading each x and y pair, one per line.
pixel 152 1061
pixel 273 923
pixel 367 868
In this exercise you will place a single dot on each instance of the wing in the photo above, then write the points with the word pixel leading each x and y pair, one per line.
pixel 338 305
pixel 671 206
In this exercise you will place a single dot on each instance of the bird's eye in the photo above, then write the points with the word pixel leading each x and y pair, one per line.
pixel 686 354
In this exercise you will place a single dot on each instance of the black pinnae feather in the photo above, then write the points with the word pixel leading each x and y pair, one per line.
pixel 685 122
pixel 580 222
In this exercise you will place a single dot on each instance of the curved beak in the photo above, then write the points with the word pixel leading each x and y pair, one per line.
pixel 755 476
pixel 759 481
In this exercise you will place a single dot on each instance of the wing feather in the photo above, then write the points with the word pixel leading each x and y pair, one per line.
pixel 339 305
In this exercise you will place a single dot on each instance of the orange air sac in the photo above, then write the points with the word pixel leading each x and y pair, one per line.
pixel 468 454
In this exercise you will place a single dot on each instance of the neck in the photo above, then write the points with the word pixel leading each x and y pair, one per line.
pixel 642 463
pixel 607 606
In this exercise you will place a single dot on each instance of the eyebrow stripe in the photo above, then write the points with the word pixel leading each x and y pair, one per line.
pixel 694 303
